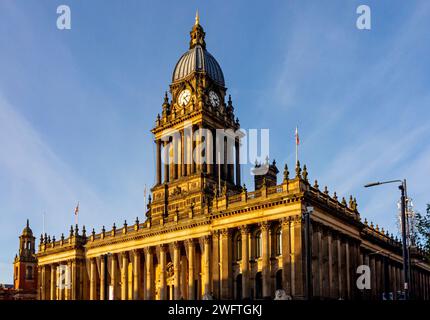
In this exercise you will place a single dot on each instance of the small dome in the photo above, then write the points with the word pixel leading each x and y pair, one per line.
pixel 199 60
pixel 27 231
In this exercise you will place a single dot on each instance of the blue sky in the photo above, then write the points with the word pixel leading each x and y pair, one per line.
pixel 76 106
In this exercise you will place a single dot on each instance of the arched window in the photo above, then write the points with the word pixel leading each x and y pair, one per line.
pixel 278 242
pixel 238 248
pixel 258 244
pixel 29 273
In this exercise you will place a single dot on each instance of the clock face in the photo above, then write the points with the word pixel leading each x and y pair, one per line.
pixel 214 99
pixel 184 97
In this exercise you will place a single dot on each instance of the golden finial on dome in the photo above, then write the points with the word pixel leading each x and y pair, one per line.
pixel 197 17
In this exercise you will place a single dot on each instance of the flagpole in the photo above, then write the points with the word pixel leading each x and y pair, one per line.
pixel 297 153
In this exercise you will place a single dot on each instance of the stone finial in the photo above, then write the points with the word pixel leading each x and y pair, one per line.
pixel 365 221
pixel 49 239
pixel 305 173
pixel 125 224
pixel 93 233
pixel 71 231
pixel 335 196
pixel 244 190
pixel 84 232
pixel 62 237
pixel 343 201
pixel 286 173
pixel 298 169
pixel 41 238
pixel 371 225
pixel 326 190
pixel 316 186
pixel 76 230
pixel 53 239
pixel 136 222
pixel 377 228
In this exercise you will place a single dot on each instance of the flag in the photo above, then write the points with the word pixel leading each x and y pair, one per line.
pixel 77 209
pixel 297 136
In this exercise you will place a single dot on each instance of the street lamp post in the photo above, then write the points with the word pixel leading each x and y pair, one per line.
pixel 402 188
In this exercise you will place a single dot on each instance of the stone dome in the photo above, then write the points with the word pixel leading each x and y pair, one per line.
pixel 198 60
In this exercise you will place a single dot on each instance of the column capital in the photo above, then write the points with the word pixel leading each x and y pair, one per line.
pixel 265 225
pixel 190 242
pixel 244 229
pixel 215 234
pixel 148 250
pixel 285 222
pixel 164 248
pixel 177 244
pixel 226 232
pixel 207 239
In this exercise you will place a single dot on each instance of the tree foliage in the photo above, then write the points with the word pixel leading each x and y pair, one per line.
pixel 423 226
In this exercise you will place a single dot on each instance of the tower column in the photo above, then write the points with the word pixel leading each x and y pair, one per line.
pixel 158 161
pixel 176 270
pixel 244 232
pixel 182 155
pixel 163 286
pixel 166 161
pixel 191 267
pixel 265 226
pixel 237 148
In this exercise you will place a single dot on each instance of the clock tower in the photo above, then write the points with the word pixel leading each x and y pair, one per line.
pixel 197 138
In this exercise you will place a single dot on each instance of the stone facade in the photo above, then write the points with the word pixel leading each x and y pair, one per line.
pixel 205 234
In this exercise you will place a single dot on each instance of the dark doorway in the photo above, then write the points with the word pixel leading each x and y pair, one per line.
pixel 239 287
pixel 258 286
pixel 279 279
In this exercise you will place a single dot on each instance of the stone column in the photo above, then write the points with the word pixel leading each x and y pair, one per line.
pixel 177 270
pixel 74 280
pixel 330 264
pixel 163 286
pixel 340 259
pixel 53 281
pixel 124 276
pixel 347 270
pixel 149 273
pixel 192 148
pixel 158 161
pixel 183 149
pixel 136 275
pixel 325 283
pixel 103 280
pixel 244 232
pixel 207 262
pixel 93 279
pixel 215 265
pixel 191 269
pixel 286 255
pixel 237 148
pixel 298 277
pixel 265 226
pixel 67 280
pixel 114 276
pixel 166 161
pixel 225 254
